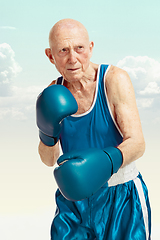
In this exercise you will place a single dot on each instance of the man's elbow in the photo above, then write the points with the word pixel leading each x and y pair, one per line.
pixel 141 147
pixel 47 162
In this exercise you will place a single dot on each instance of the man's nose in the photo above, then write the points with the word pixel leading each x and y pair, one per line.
pixel 72 57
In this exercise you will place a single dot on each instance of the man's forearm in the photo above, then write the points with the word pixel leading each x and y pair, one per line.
pixel 49 155
pixel 131 150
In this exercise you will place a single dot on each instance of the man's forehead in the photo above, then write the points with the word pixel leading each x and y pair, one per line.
pixel 67 32
pixel 69 43
pixel 66 44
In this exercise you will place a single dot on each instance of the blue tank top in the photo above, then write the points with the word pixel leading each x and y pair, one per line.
pixel 95 128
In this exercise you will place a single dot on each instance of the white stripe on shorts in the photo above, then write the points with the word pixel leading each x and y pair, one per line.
pixel 143 204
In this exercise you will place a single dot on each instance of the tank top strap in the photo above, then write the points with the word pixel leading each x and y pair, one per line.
pixel 59 81
pixel 102 71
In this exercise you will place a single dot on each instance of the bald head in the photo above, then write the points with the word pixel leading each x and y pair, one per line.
pixel 66 25
pixel 70 49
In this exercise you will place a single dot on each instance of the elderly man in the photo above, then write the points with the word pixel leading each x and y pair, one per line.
pixel 91 111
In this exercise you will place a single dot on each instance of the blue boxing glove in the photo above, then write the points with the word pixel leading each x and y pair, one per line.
pixel 54 104
pixel 81 173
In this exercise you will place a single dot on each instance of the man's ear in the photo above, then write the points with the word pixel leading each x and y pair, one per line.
pixel 49 55
pixel 91 45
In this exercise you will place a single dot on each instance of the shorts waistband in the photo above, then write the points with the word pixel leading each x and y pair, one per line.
pixel 123 175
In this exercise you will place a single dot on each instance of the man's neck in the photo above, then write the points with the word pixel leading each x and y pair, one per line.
pixel 88 78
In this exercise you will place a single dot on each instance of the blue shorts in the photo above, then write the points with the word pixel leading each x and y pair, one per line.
pixel 120 212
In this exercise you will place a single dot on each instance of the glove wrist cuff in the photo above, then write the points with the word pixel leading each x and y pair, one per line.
pixel 47 140
pixel 115 156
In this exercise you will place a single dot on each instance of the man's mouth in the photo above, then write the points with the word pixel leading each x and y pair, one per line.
pixel 72 69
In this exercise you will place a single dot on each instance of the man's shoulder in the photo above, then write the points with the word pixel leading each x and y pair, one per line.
pixel 115 75
pixel 52 83
pixel 116 72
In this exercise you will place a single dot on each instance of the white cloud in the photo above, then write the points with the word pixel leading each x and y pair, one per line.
pixel 145 102
pixel 15 102
pixel 9 68
pixel 7 27
pixel 21 105
pixel 151 89
pixel 145 75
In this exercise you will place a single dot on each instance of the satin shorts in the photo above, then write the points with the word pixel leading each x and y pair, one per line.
pixel 120 212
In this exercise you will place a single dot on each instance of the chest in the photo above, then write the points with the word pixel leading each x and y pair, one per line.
pixel 85 98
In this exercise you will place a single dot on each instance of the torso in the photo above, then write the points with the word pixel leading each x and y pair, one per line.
pixel 93 123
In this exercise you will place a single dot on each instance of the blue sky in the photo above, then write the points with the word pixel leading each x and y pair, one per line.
pixel 126 34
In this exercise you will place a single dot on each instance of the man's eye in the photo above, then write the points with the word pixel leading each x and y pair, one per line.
pixel 63 50
pixel 80 48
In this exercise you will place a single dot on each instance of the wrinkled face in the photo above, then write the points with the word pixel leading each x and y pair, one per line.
pixel 71 52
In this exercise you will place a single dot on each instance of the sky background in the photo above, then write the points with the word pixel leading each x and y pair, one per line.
pixel 126 34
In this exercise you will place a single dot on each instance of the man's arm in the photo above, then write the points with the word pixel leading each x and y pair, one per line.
pixel 49 155
pixel 123 105
pixel 54 104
